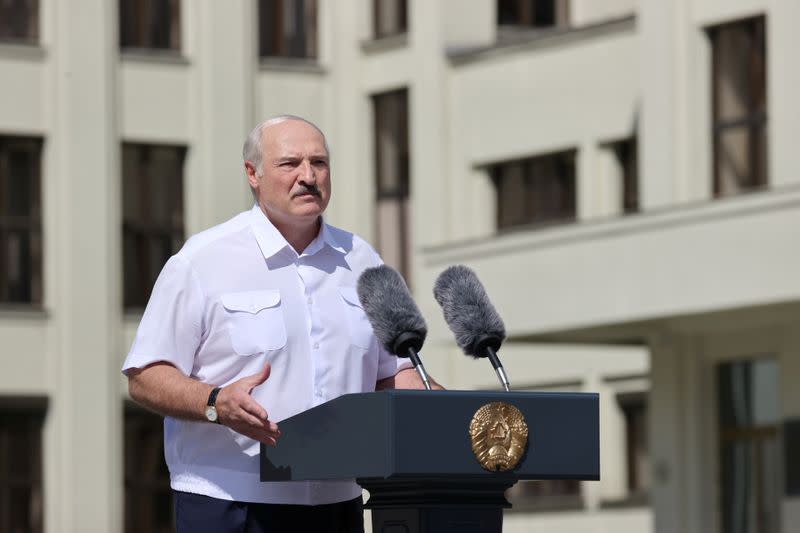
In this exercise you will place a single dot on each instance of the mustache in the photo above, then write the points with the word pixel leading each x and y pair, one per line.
pixel 306 189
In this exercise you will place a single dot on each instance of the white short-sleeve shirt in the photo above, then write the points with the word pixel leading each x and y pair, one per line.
pixel 236 296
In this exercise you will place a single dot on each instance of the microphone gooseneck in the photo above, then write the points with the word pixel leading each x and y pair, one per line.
pixel 417 362
pixel 395 318
pixel 478 329
pixel 498 368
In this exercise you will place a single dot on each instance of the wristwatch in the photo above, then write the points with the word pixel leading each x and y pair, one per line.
pixel 211 410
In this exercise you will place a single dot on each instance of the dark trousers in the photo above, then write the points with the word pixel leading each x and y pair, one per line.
pixel 201 514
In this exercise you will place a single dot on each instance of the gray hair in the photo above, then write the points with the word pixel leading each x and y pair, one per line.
pixel 251 151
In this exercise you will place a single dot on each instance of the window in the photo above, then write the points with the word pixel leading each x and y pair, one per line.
pixel 389 17
pixel 287 28
pixel 150 24
pixel 546 495
pixel 739 106
pixel 19 21
pixel 148 498
pixel 532 13
pixel 626 154
pixel 152 216
pixel 20 220
pixel 751 474
pixel 634 409
pixel 535 190
pixel 21 501
pixel 392 184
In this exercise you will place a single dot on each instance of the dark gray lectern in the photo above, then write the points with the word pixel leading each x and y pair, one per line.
pixel 411 450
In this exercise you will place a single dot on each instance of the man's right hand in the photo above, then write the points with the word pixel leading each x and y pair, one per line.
pixel 237 409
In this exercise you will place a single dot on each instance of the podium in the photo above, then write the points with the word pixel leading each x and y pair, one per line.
pixel 411 449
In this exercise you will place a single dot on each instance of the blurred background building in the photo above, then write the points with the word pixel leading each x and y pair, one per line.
pixel 623 175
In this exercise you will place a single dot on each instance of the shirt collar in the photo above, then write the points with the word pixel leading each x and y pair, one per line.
pixel 271 241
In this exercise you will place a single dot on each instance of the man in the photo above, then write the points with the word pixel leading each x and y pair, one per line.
pixel 251 322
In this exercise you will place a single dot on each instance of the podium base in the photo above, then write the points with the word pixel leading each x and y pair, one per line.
pixel 426 506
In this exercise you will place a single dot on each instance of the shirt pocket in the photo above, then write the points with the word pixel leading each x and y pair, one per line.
pixel 255 321
pixel 358 325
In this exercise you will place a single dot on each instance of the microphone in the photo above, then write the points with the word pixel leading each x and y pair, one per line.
pixel 472 318
pixel 394 316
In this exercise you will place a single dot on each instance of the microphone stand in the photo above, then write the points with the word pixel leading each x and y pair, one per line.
pixel 412 354
pixel 498 368
pixel 409 342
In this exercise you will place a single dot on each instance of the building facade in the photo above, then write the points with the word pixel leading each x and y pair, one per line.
pixel 620 174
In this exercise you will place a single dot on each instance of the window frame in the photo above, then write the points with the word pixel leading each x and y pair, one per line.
pixel 401 193
pixel 754 119
pixel 137 489
pixel 402 23
pixel 274 44
pixel 33 26
pixel 144 233
pixel 757 434
pixel 29 224
pixel 526 11
pixel 34 412
pixel 142 37
pixel 528 217
pixel 627 153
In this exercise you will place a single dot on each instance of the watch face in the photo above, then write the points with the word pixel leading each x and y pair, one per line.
pixel 211 413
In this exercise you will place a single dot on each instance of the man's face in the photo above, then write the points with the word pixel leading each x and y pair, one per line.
pixel 294 187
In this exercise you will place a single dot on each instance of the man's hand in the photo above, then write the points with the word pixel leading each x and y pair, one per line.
pixel 237 409
pixel 406 379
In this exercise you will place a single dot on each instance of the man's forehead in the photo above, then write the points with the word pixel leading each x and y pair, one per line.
pixel 292 136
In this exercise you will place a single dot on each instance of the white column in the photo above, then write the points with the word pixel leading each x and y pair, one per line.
pixel 783 88
pixel 588 182
pixel 666 425
pixel 663 149
pixel 431 181
pixel 85 410
pixel 224 92
pixel 592 490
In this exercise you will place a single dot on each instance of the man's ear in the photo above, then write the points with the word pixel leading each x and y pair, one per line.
pixel 252 178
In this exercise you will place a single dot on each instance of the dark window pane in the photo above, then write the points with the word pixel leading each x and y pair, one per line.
pixel 152 215
pixel 627 155
pixel 150 24
pixel 19 20
pixel 549 494
pixel 739 110
pixel 20 220
pixel 21 506
pixel 390 17
pixel 148 497
pixel 287 28
pixel 751 477
pixel 535 190
pixel 532 13
pixel 392 184
pixel 634 408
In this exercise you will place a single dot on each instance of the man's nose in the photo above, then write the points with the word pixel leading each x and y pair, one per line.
pixel 307 174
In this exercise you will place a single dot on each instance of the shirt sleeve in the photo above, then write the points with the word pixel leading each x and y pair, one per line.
pixel 171 327
pixel 389 365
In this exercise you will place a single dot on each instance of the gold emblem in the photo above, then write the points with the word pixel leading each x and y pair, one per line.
pixel 499 434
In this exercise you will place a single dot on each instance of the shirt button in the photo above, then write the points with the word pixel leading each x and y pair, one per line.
pixel 316 345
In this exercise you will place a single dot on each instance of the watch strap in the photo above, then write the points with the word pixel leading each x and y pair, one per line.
pixel 212 398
